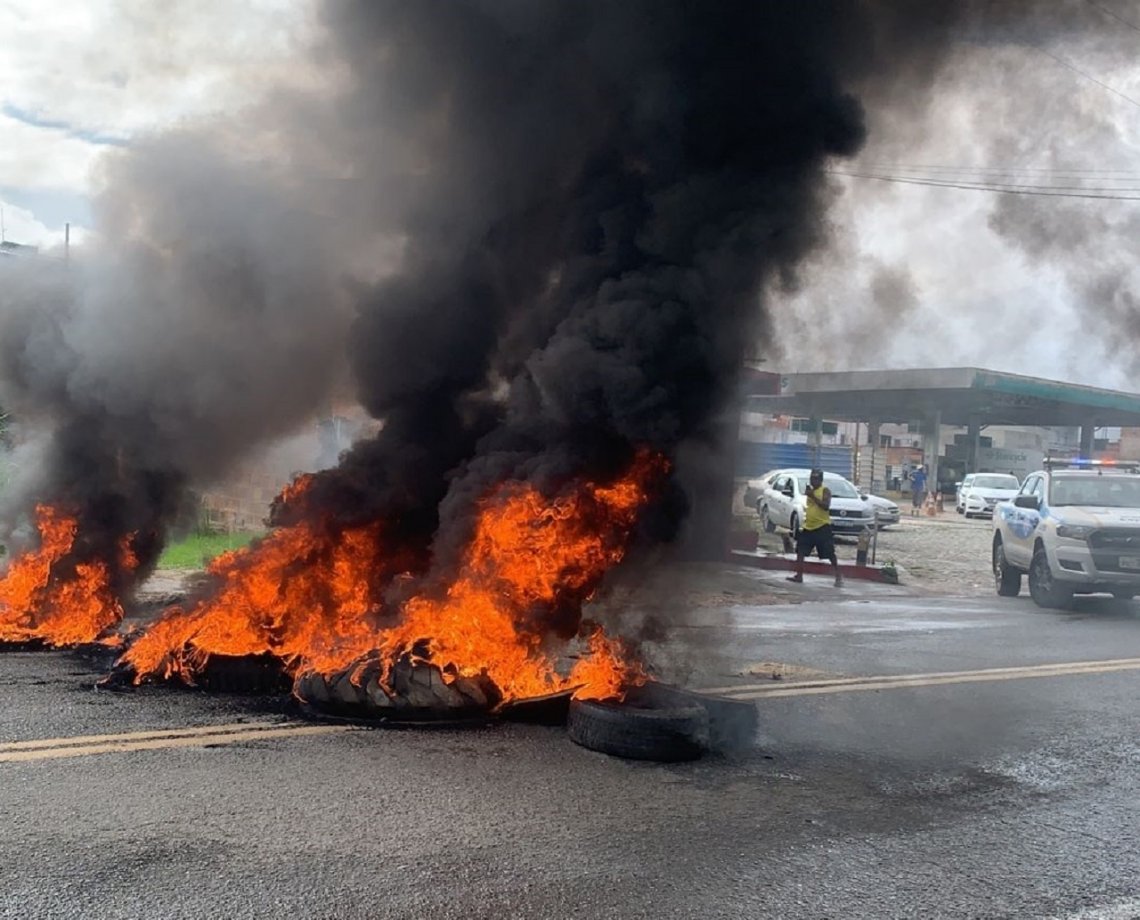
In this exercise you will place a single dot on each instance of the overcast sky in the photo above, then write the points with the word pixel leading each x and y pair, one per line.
pixel 78 77
pixel 916 275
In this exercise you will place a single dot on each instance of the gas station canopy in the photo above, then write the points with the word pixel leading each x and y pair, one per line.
pixel 960 396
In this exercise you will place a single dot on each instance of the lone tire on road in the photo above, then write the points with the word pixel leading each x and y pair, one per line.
pixel 664 734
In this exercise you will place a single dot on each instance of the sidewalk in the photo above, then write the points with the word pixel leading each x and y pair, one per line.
pixel 944 554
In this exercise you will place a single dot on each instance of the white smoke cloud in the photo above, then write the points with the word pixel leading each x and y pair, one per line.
pixel 976 289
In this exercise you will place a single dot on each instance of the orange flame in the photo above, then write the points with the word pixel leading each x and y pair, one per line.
pixel 313 597
pixel 292 594
pixel 47 595
pixel 607 671
pixel 528 555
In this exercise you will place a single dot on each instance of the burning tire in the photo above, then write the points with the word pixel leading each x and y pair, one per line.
pixel 549 709
pixel 244 675
pixel 418 694
pixel 638 732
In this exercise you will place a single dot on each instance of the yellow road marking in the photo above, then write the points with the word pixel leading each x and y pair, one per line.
pixel 140 736
pixel 151 741
pixel 891 681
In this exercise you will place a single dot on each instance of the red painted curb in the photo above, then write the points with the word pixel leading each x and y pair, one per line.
pixel 811 567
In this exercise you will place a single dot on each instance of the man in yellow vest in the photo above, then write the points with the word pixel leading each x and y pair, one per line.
pixel 815 532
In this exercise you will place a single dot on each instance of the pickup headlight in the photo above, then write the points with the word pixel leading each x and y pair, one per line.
pixel 1074 531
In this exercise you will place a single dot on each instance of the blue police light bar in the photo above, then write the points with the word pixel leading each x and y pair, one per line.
pixel 1082 463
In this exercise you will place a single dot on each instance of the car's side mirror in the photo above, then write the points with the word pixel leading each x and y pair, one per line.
pixel 790 492
pixel 1028 501
pixel 865 497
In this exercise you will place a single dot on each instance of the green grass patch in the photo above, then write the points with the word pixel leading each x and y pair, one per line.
pixel 194 551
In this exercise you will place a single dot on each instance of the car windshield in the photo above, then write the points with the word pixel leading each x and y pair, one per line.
pixel 840 488
pixel 1104 491
pixel 996 482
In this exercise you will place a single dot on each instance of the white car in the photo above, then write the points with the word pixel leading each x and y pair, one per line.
pixel 886 511
pixel 961 494
pixel 985 492
pixel 754 490
pixel 1074 530
pixel 784 504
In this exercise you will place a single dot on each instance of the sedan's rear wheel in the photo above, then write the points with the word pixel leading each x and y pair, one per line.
pixel 765 521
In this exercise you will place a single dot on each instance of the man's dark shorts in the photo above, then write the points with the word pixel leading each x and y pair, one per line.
pixel 820 539
pixel 918 498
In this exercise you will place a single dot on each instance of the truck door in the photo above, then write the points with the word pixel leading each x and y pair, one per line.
pixel 1022 529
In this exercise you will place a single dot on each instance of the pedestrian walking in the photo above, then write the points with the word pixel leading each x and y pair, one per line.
pixel 917 490
pixel 815 532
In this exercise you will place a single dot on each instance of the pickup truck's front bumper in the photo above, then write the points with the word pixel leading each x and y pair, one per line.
pixel 1078 566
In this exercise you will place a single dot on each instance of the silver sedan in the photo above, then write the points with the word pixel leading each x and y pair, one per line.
pixel 886 511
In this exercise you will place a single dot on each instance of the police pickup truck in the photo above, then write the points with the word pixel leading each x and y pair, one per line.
pixel 1073 528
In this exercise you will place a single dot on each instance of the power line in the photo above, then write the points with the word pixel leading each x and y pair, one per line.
pixel 996 181
pixel 1045 180
pixel 1125 174
pixel 1108 12
pixel 1018 186
pixel 1001 189
pixel 1087 76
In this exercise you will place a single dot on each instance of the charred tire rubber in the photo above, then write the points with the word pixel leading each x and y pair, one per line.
pixel 244 674
pixel 1007 579
pixel 667 735
pixel 1044 589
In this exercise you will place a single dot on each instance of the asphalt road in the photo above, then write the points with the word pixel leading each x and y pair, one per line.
pixel 985 794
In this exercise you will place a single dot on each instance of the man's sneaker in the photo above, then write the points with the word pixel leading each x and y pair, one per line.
pixel 839 581
pixel 798 579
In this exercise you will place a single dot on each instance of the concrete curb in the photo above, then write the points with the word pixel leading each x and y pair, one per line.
pixel 776 562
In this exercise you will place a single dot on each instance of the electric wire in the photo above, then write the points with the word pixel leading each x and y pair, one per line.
pixel 1043 191
pixel 1108 12
pixel 1056 172
pixel 1087 76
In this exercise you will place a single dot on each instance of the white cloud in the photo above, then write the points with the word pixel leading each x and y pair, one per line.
pixel 968 294
pixel 32 157
pixel 119 68
pixel 76 75
pixel 21 226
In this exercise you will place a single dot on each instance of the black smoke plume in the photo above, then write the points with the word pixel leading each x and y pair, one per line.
pixel 599 197
pixel 558 222
pixel 201 323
